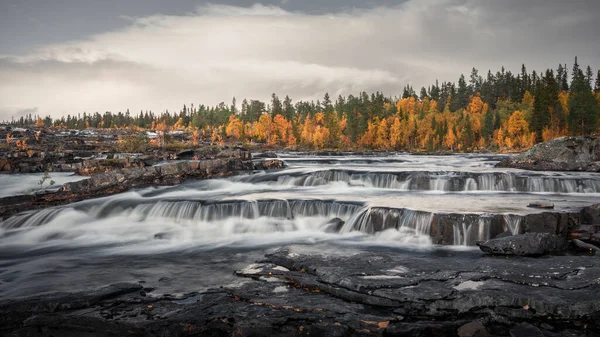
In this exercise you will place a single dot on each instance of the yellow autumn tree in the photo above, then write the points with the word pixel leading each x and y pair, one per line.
pixel 281 127
pixel 450 139
pixel 476 105
pixel 263 128
pixel 234 128
pixel 39 122
pixel 518 129
pixel 395 133
pixel 528 98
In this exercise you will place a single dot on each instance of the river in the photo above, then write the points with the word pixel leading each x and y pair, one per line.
pixel 185 238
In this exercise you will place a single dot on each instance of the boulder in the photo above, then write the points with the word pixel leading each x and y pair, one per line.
pixel 268 164
pixel 591 215
pixel 473 329
pixel 185 154
pixel 5 165
pixel 528 244
pixel 560 154
pixel 546 222
pixel 333 226
pixel 525 330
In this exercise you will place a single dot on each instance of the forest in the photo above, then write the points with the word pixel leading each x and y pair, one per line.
pixel 499 112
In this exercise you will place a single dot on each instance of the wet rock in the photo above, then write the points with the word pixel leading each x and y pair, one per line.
pixel 367 294
pixel 587 247
pixel 503 235
pixel 560 154
pixel 525 330
pixel 541 205
pixel 473 329
pixel 546 222
pixel 333 226
pixel 528 244
pixel 268 164
pixel 5 166
pixel 591 215
pixel 185 154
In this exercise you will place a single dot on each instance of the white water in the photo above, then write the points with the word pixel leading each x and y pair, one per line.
pixel 513 223
pixel 202 230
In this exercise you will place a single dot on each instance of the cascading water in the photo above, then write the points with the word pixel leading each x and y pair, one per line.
pixel 342 202
pixel 467 232
pixel 513 223
pixel 453 181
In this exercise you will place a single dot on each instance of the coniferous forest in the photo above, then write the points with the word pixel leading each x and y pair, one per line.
pixel 500 111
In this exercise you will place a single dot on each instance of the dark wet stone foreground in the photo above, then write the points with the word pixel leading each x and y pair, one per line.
pixel 369 294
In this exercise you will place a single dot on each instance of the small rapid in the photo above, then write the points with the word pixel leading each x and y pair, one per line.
pixel 412 203
pixel 440 181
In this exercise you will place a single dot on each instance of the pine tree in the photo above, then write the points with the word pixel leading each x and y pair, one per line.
pixel 525 85
pixel 475 82
pixel 589 76
pixel 597 86
pixel 583 107
pixel 462 94
pixel 546 98
pixel 288 108
pixel 488 125
pixel 423 94
pixel 276 108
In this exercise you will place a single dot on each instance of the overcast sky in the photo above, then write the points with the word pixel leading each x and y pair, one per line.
pixel 70 56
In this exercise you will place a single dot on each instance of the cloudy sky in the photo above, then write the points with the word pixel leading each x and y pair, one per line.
pixel 70 56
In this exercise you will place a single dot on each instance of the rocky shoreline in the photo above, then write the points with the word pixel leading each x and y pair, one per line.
pixel 560 154
pixel 120 180
pixel 369 294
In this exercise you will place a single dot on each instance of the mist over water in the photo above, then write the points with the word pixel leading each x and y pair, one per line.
pixel 183 238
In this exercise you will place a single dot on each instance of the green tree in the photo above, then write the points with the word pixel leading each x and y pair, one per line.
pixel 546 98
pixel 583 107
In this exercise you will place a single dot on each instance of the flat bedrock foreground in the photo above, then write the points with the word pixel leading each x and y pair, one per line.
pixel 368 294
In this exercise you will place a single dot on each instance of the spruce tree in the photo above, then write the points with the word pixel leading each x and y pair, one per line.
pixel 583 107
pixel 546 98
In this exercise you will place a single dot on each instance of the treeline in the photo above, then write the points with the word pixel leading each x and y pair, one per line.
pixel 500 111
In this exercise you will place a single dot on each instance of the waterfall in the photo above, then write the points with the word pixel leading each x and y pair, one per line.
pixel 31 219
pixel 375 219
pixel 484 225
pixel 468 233
pixel 441 181
pixel 462 237
pixel 512 223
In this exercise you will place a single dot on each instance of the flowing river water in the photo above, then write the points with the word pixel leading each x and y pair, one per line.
pixel 193 236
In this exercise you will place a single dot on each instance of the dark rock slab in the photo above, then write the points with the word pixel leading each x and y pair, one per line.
pixel 525 330
pixel 367 294
pixel 591 215
pixel 473 329
pixel 528 244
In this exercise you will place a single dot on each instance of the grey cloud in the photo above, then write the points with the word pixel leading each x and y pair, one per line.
pixel 215 52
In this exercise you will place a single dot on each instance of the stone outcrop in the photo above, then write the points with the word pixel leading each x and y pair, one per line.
pixel 168 173
pixel 120 180
pixel 528 244
pixel 367 294
pixel 560 154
